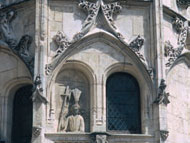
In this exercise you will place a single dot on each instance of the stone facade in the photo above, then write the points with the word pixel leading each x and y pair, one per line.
pixel 68 49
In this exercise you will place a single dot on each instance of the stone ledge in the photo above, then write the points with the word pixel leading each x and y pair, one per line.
pixel 88 137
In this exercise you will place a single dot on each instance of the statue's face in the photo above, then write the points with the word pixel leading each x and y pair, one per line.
pixel 75 111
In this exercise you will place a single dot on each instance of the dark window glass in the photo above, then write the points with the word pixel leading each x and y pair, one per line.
pixel 123 103
pixel 22 116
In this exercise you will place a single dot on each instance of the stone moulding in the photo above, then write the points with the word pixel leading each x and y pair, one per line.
pixel 162 97
pixel 164 135
pixel 93 9
pixel 38 91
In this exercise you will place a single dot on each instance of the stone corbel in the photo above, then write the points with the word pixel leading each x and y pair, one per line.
pixel 38 91
pixel 101 139
pixel 164 135
pixel 162 97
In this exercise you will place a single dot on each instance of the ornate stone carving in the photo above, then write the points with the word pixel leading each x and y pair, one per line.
pixel 101 139
pixel 178 24
pixel 74 122
pixel 36 131
pixel 136 46
pixel 92 9
pixel 183 3
pixel 62 42
pixel 164 135
pixel 38 91
pixel 162 97
pixel 109 10
pixel 6 31
pixel 171 53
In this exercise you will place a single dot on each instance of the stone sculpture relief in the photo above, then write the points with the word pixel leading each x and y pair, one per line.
pixel 38 91
pixel 69 119
pixel 93 9
pixel 6 31
pixel 21 47
pixel 164 135
pixel 170 53
pixel 162 97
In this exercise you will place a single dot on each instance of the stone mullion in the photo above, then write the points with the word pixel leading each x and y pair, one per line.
pixel 160 116
pixel 39 108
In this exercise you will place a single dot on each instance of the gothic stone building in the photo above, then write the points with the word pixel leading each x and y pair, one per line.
pixel 94 71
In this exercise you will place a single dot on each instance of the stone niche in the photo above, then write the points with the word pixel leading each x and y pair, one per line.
pixel 72 89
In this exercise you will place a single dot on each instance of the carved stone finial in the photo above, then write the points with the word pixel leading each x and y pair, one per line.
pixel 170 53
pixel 162 97
pixel 101 139
pixel 38 91
pixel 136 46
pixel 164 135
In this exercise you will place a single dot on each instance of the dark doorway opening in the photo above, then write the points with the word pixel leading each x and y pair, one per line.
pixel 22 115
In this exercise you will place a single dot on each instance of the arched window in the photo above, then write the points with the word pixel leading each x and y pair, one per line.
pixel 123 103
pixel 22 115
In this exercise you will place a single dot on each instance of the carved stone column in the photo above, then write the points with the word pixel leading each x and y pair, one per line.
pixel 39 108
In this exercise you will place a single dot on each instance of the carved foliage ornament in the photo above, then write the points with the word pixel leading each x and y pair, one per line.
pixel 162 97
pixel 171 54
pixel 136 46
pixel 38 91
pixel 21 47
pixel 93 9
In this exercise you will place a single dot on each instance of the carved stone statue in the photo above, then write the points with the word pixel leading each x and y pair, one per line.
pixel 74 122
pixel 6 32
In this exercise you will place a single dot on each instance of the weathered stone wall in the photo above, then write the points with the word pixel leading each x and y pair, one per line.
pixel 178 110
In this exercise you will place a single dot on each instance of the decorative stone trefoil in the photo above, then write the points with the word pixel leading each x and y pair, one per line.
pixel 162 97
